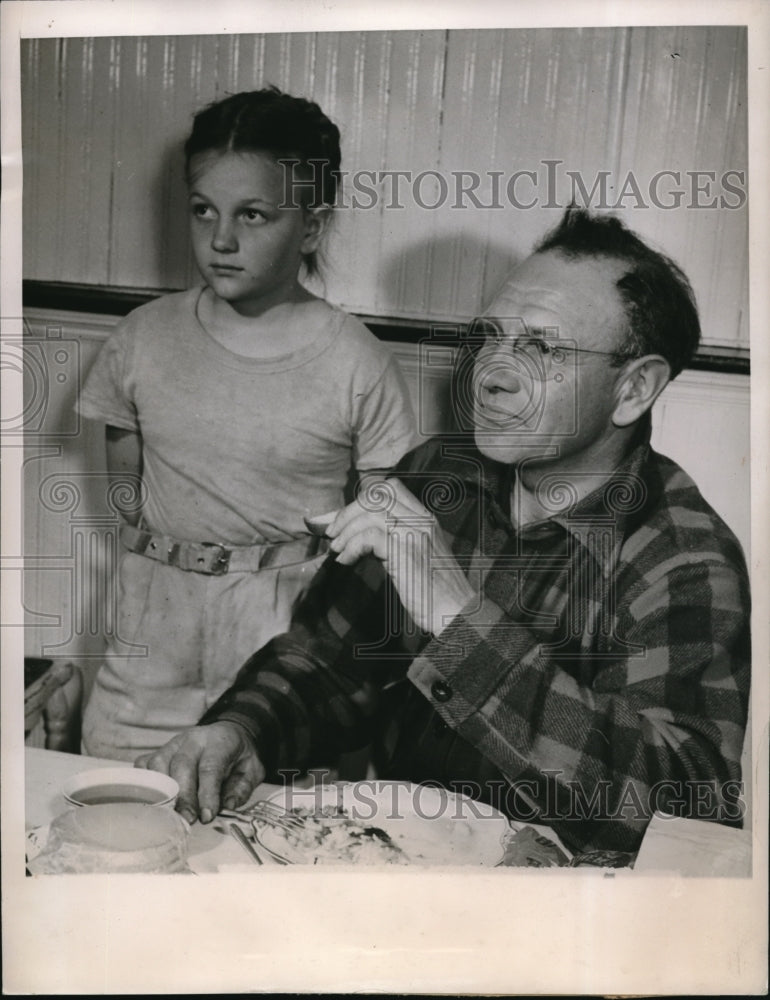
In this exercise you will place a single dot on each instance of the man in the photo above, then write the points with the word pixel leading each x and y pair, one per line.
pixel 544 614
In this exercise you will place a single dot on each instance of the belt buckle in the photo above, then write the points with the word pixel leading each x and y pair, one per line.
pixel 220 562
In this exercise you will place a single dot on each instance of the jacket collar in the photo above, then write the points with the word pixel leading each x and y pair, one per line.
pixel 621 500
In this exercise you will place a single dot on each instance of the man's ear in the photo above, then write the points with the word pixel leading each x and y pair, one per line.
pixel 639 385
pixel 316 221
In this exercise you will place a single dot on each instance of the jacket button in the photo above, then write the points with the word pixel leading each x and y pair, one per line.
pixel 441 691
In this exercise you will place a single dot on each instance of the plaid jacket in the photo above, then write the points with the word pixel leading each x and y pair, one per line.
pixel 602 674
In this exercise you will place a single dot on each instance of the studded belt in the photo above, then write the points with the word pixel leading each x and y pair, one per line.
pixel 214 559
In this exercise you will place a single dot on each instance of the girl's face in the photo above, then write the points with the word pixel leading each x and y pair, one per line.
pixel 247 247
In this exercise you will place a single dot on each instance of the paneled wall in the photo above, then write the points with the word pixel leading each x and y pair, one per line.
pixel 537 116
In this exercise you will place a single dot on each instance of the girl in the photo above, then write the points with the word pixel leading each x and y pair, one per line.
pixel 243 404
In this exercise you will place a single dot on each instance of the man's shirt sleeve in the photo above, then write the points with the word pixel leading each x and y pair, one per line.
pixel 308 695
pixel 661 722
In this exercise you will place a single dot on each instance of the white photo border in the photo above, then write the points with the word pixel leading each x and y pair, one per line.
pixel 415 932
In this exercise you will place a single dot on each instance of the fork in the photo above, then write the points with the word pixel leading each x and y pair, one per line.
pixel 269 813
pixel 279 818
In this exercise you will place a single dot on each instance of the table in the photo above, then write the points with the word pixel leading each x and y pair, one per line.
pixel 684 846
pixel 212 848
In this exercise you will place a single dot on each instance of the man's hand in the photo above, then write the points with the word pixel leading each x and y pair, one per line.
pixel 213 765
pixel 389 522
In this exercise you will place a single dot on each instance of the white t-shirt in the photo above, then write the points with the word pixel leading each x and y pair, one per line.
pixel 239 449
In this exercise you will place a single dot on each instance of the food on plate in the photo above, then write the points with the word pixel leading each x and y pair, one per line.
pixel 327 835
pixel 527 848
pixel 124 837
pixel 377 822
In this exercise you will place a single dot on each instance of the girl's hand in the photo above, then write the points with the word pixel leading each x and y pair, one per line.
pixel 391 524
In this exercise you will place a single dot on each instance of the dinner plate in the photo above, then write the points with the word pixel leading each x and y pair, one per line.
pixel 427 825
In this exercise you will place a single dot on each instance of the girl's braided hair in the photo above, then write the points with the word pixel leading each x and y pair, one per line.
pixel 287 128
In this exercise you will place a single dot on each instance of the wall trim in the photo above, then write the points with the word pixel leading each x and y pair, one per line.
pixel 106 304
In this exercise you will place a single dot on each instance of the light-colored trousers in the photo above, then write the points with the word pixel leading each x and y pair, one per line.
pixel 192 633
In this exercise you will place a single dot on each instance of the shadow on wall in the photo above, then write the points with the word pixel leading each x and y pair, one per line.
pixel 173 261
pixel 421 268
pixel 437 378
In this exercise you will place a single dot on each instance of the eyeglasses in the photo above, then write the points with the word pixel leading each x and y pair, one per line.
pixel 544 354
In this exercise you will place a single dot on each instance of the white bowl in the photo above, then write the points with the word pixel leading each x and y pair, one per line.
pixel 106 785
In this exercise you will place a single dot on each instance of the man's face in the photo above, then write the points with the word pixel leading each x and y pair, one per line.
pixel 538 398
